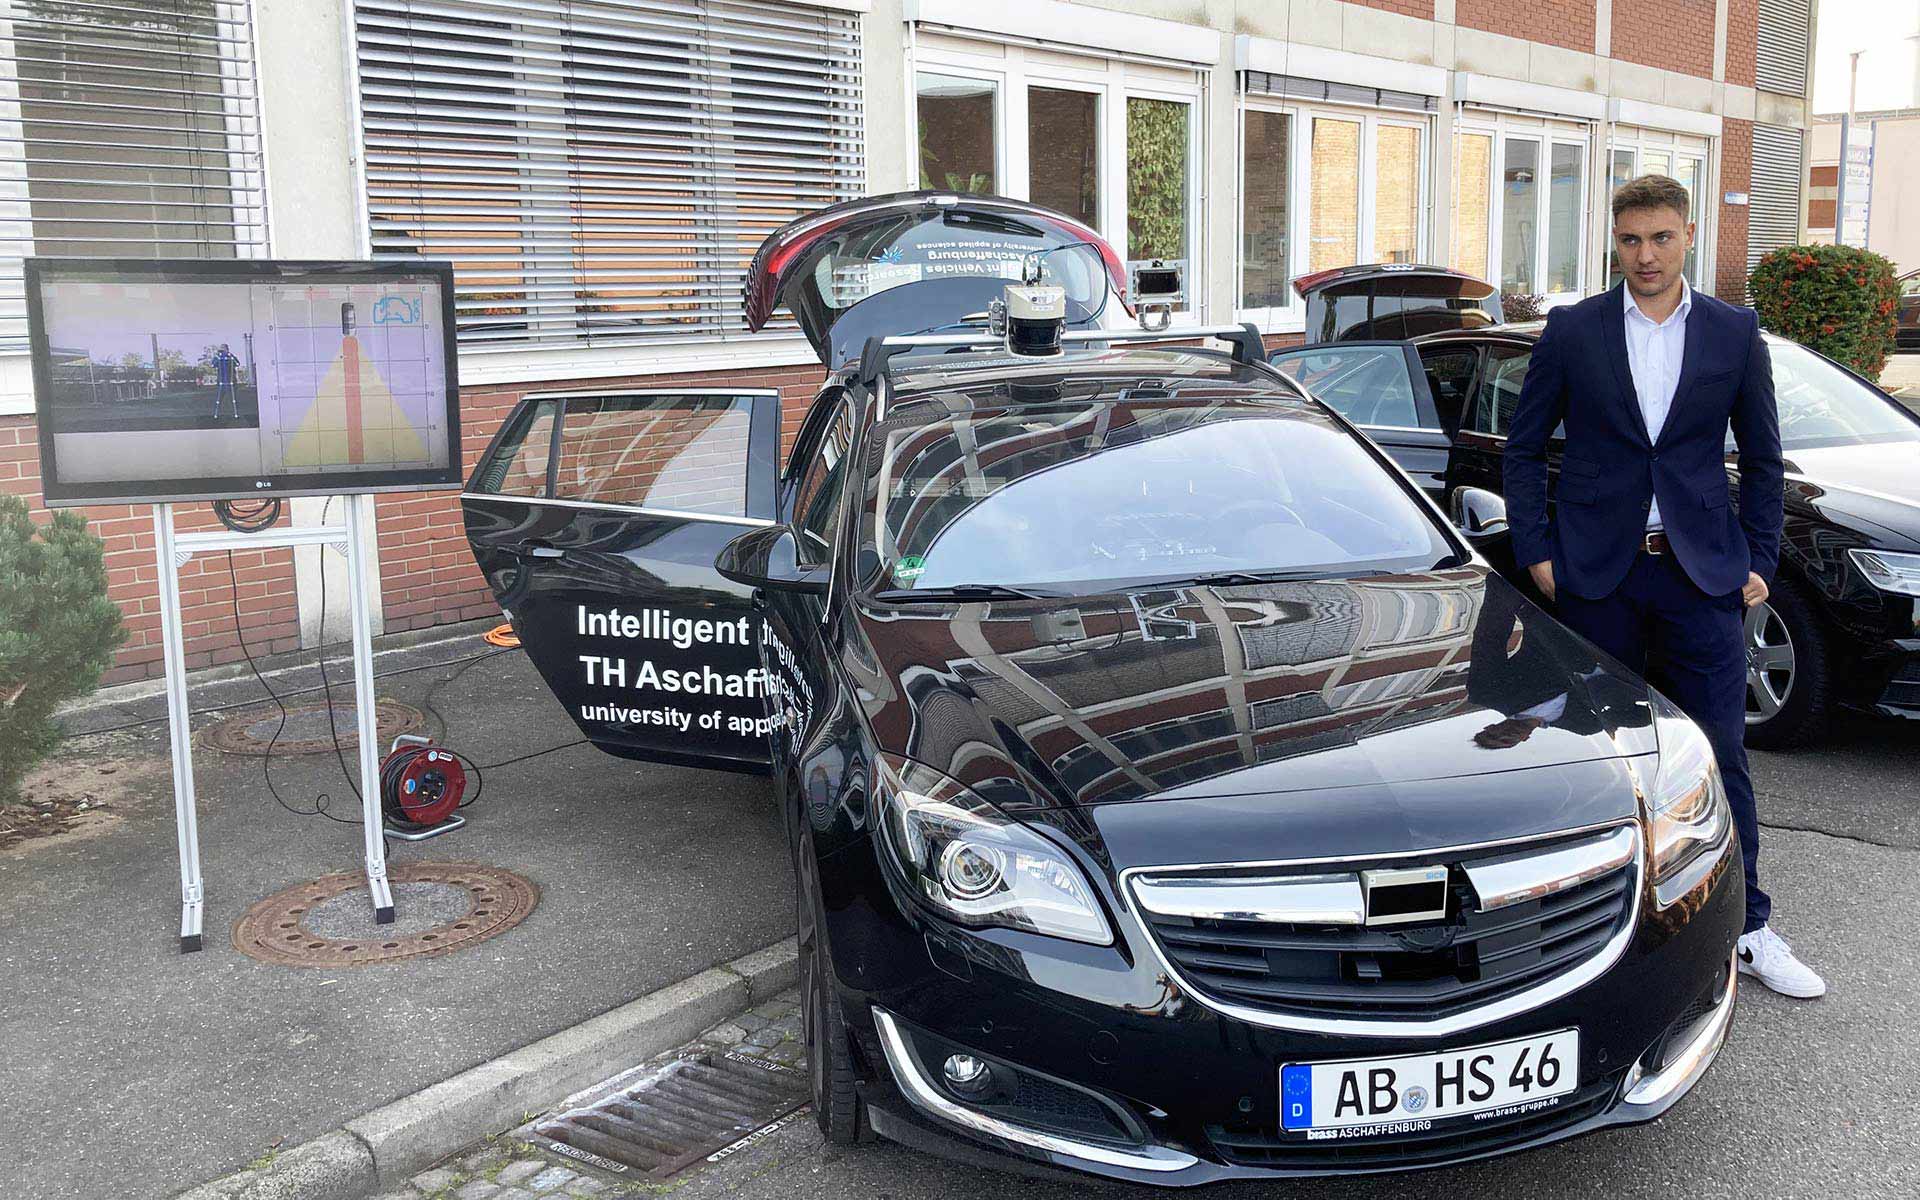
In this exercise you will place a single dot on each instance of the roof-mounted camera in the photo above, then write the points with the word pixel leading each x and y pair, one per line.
pixel 1158 289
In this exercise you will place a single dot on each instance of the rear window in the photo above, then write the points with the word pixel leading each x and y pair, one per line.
pixel 879 256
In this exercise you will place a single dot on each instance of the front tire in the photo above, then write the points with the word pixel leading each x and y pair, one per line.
pixel 1788 671
pixel 837 1108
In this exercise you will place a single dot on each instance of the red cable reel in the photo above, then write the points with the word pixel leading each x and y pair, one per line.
pixel 420 784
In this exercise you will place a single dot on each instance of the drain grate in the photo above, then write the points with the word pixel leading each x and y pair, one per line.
pixel 440 907
pixel 308 729
pixel 691 1109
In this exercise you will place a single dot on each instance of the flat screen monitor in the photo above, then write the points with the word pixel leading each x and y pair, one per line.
pixel 159 379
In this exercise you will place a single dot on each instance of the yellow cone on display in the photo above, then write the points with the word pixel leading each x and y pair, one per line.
pixel 354 418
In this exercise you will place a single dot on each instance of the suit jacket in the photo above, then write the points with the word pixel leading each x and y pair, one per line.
pixel 1611 469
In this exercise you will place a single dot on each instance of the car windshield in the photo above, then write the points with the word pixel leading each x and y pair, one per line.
pixel 1822 405
pixel 1106 494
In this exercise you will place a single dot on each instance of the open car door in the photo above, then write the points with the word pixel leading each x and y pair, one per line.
pixel 596 518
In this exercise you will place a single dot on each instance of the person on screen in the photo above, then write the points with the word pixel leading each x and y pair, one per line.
pixel 225 366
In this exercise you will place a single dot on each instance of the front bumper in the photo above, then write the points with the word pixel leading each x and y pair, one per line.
pixel 1198 1090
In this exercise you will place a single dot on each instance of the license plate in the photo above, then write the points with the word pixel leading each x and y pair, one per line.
pixel 1383 1096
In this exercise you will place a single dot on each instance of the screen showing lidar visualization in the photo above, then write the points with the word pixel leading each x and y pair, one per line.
pixel 204 380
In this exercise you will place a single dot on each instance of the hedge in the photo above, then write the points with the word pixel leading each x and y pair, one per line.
pixel 1839 300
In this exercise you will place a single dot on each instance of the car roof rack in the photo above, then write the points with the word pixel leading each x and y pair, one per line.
pixel 1248 348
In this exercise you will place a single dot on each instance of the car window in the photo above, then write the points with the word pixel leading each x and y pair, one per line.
pixel 1120 493
pixel 517 464
pixel 1450 379
pixel 1499 391
pixel 1368 385
pixel 685 452
pixel 1821 405
pixel 817 499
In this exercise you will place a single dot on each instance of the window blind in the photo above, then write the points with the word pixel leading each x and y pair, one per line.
pixel 601 171
pixel 1780 57
pixel 128 128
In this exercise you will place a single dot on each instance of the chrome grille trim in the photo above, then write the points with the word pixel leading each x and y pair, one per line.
pixel 1515 878
pixel 1546 992
pixel 1305 899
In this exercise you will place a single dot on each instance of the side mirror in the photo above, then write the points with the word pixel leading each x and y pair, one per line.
pixel 1478 514
pixel 769 558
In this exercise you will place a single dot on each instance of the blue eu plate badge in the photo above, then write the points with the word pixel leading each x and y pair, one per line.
pixel 1296 1096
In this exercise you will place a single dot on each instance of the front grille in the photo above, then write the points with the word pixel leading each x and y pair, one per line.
pixel 1446 1141
pixel 1421 971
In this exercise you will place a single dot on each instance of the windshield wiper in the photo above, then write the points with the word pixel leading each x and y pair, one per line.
pixel 1230 579
pixel 970 591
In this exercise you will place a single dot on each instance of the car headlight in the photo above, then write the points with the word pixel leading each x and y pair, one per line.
pixel 975 865
pixel 1687 813
pixel 1890 572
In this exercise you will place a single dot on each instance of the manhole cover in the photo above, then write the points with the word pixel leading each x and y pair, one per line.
pixel 307 730
pixel 694 1108
pixel 439 907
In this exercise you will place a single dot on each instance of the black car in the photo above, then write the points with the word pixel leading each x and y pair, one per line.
pixel 1841 628
pixel 1174 794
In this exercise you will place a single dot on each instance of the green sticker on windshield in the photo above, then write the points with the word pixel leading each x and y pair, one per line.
pixel 909 568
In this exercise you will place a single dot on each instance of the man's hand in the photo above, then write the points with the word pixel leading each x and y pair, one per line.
pixel 1752 594
pixel 1542 573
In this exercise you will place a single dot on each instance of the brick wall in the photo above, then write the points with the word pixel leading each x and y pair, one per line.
pixel 427 574
pixel 269 613
pixel 1736 175
pixel 1411 8
pixel 1743 40
pixel 1567 23
pixel 1674 34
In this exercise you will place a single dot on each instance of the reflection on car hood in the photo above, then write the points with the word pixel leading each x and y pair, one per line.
pixel 1256 690
pixel 1874 483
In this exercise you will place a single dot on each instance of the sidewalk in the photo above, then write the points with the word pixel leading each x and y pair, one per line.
pixel 132 1070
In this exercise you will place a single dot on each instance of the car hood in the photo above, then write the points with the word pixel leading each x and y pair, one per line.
pixel 1873 484
pixel 1263 691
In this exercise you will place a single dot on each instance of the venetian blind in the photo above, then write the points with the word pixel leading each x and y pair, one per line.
pixel 1773 201
pixel 128 128
pixel 1780 58
pixel 601 171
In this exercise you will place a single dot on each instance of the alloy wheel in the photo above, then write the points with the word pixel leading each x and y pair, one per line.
pixel 1770 663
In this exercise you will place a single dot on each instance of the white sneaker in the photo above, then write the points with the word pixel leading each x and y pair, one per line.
pixel 1766 956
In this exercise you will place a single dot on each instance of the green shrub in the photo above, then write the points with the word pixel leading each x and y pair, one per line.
pixel 57 631
pixel 1839 300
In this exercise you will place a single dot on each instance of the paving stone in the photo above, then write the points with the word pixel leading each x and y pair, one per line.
pixel 725 1035
pixel 787 1052
pixel 770 1036
pixel 479 1189
pixel 484 1159
pixel 772 1010
pixel 516 1173
pixel 432 1181
pixel 552 1178
pixel 749 1022
pixel 512 1193
pixel 588 1187
pixel 407 1195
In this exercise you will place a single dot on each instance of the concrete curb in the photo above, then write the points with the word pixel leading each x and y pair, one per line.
pixel 381 1149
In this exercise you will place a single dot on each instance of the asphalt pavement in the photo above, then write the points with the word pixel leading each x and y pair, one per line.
pixel 130 1070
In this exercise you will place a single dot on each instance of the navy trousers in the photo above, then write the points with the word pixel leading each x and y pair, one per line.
pixel 1691 646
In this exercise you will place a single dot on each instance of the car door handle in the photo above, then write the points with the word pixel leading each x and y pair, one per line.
pixel 544 550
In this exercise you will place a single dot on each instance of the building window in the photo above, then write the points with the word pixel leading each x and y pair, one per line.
pixel 601 179
pixel 1528 231
pixel 1067 177
pixel 1113 144
pixel 1637 152
pixel 1265 257
pixel 958 150
pixel 1472 201
pixel 1349 189
pixel 127 129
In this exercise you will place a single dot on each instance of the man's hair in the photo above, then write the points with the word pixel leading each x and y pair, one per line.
pixel 1651 191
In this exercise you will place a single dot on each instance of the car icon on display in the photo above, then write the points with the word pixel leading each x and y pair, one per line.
pixel 1174 793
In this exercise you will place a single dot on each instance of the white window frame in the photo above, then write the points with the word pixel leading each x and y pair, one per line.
pixel 1013 69
pixel 1638 142
pixel 1291 317
pixel 1546 134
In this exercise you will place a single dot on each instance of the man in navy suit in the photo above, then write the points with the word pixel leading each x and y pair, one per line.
pixel 1643 555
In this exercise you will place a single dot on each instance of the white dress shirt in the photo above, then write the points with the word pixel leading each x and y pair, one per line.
pixel 1654 351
